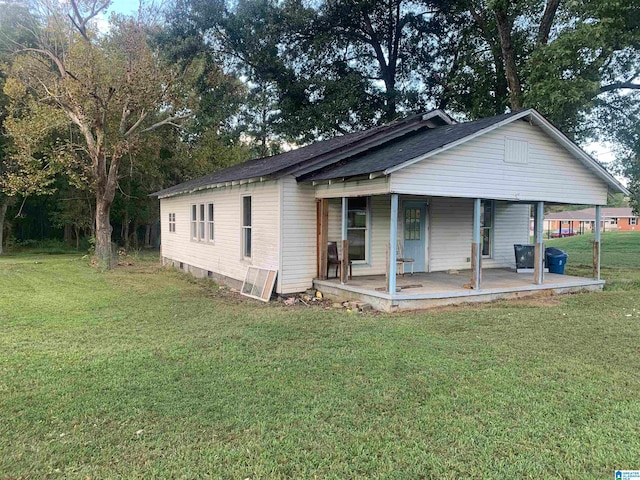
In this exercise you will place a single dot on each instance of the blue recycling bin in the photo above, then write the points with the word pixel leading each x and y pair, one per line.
pixel 556 260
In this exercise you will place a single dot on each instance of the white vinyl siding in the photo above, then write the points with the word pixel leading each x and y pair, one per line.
pixel 511 228
pixel 299 237
pixel 451 222
pixel 225 256
pixel 477 169
pixel 452 230
pixel 358 188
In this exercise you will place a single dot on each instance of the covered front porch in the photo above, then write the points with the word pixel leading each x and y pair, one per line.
pixel 469 241
pixel 424 290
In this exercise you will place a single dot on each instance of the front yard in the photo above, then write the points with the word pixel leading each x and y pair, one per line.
pixel 145 373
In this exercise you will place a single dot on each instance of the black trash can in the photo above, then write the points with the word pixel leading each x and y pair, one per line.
pixel 524 256
pixel 556 260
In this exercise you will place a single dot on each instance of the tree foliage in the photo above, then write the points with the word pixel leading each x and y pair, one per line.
pixel 112 87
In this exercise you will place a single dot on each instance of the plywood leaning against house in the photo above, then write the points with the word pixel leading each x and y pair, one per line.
pixel 258 283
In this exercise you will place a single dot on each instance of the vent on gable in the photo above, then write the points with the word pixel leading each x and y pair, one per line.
pixel 516 150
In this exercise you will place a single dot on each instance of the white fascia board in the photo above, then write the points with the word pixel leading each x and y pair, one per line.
pixel 440 114
pixel 216 185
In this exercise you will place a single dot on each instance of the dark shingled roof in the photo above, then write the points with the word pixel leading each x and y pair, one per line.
pixel 262 167
pixel 402 150
pixel 354 154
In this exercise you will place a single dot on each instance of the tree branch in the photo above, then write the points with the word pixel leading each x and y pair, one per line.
pixel 547 21
pixel 79 21
pixel 167 121
pixel 133 128
pixel 619 86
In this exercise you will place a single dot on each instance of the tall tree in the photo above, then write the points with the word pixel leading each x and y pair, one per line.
pixel 113 87
pixel 335 65
pixel 563 58
pixel 25 160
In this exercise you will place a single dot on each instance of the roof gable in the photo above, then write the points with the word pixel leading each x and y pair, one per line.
pixel 382 151
pixel 411 150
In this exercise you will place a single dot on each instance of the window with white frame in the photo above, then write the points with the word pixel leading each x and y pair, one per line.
pixel 246 227
pixel 487 219
pixel 614 221
pixel 172 222
pixel 358 228
pixel 201 223
pixel 633 221
pixel 194 222
pixel 210 235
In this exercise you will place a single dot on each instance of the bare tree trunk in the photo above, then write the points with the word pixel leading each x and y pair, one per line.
pixel 103 232
pixel 125 229
pixel 154 234
pixel 505 27
pixel 68 234
pixel 547 21
pixel 127 200
pixel 147 235
pixel 4 204
pixel 136 243
pixel 106 183
pixel 77 232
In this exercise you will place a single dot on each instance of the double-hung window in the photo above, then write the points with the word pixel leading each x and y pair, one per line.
pixel 172 222
pixel 194 222
pixel 201 223
pixel 487 219
pixel 210 236
pixel 614 221
pixel 358 228
pixel 633 221
pixel 246 227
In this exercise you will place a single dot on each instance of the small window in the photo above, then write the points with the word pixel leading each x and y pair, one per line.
pixel 194 222
pixel 246 227
pixel 487 213
pixel 633 221
pixel 172 222
pixel 412 230
pixel 614 221
pixel 201 223
pixel 210 235
pixel 357 228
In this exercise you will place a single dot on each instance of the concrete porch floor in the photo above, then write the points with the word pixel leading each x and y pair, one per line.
pixel 423 290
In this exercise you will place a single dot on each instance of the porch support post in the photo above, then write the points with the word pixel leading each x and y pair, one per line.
pixel 323 237
pixel 393 241
pixel 344 261
pixel 476 250
pixel 538 252
pixel 596 244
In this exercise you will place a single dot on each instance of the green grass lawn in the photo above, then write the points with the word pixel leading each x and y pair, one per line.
pixel 620 256
pixel 144 373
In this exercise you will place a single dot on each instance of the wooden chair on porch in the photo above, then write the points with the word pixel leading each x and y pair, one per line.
pixel 402 259
pixel 334 259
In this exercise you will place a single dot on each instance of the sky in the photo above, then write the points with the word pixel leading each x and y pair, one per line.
pixel 124 6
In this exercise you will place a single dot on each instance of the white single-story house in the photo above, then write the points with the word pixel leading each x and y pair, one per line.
pixel 452 197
